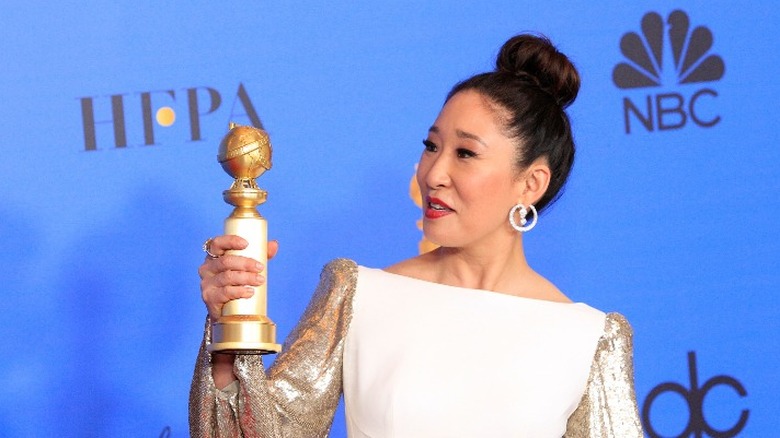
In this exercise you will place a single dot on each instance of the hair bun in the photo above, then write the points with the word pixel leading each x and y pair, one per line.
pixel 536 58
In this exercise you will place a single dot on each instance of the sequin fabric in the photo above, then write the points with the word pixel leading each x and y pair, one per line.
pixel 608 408
pixel 298 395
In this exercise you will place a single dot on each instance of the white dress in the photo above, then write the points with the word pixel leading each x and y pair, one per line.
pixel 420 359
pixel 429 360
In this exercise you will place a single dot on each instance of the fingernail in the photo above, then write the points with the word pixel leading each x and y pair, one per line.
pixel 250 291
pixel 260 278
pixel 259 266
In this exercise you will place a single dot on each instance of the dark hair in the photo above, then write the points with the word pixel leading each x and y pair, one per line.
pixel 533 83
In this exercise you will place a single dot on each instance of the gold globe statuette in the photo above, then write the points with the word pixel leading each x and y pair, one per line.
pixel 244 326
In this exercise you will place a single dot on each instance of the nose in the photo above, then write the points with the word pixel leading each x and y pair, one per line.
pixel 435 171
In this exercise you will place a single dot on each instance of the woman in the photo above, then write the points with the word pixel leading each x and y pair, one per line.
pixel 395 341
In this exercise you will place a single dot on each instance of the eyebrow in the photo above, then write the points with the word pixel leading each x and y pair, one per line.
pixel 461 134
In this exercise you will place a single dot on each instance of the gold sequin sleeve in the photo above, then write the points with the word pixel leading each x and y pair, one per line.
pixel 298 395
pixel 608 408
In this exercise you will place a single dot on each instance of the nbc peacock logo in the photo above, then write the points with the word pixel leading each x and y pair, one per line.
pixel 669 55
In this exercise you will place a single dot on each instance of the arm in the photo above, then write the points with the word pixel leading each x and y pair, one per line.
pixel 300 392
pixel 608 408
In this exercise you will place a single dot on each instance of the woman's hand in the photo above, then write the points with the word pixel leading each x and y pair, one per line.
pixel 228 277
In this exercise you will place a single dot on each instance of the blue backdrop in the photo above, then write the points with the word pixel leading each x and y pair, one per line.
pixel 112 114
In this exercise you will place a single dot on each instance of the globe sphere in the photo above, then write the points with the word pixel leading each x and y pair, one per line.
pixel 245 152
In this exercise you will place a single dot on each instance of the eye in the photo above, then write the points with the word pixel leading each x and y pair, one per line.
pixel 465 153
pixel 429 146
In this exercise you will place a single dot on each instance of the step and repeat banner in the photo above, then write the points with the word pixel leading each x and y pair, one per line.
pixel 112 114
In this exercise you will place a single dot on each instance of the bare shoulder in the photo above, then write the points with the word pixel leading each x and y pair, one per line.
pixel 415 267
pixel 541 288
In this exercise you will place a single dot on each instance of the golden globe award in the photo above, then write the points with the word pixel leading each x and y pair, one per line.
pixel 244 327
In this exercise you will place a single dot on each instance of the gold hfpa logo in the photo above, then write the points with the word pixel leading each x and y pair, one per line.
pixel 425 245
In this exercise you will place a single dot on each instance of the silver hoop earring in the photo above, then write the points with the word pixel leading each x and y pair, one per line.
pixel 523 212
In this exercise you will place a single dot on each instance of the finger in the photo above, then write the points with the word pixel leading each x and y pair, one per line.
pixel 204 270
pixel 237 278
pixel 235 292
pixel 273 248
pixel 215 298
pixel 221 244
pixel 212 267
pixel 232 262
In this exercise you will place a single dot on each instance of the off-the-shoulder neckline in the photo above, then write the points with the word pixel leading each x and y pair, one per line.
pixel 461 288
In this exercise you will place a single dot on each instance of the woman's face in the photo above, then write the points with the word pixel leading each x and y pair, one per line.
pixel 466 175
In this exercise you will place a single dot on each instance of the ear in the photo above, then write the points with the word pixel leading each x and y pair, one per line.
pixel 534 182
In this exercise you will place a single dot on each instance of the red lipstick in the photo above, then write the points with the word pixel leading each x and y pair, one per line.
pixel 436 208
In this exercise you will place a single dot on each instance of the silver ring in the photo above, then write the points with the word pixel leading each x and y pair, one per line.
pixel 207 248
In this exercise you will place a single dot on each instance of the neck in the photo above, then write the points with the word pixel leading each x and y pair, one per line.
pixel 495 267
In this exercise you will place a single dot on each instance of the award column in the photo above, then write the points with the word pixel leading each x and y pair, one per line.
pixel 244 327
